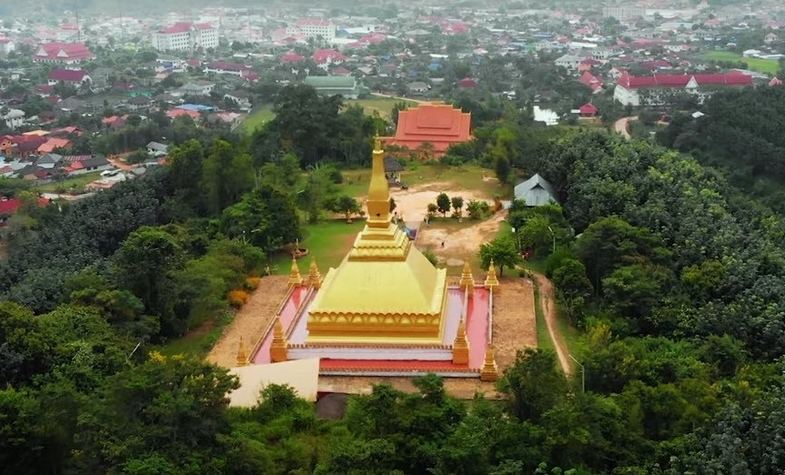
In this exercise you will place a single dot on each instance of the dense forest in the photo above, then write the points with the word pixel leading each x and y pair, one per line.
pixel 675 276
pixel 740 134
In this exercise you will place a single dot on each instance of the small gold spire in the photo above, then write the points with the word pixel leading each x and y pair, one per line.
pixel 242 354
pixel 491 282
pixel 377 143
pixel 278 348
pixel 314 277
pixel 294 276
pixel 467 280
pixel 489 372
pixel 460 349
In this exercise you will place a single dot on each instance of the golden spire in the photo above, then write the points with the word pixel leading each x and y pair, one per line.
pixel 378 190
pixel 490 280
pixel 460 349
pixel 489 372
pixel 278 348
pixel 467 280
pixel 294 276
pixel 314 277
pixel 242 354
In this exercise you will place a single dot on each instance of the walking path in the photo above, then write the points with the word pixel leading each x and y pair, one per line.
pixel 250 321
pixel 548 303
pixel 622 126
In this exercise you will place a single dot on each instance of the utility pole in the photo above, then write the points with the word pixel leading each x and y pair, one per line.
pixel 583 373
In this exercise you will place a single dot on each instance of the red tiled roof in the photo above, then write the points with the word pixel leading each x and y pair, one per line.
pixel 589 109
pixel 467 83
pixel 322 56
pixel 591 81
pixel 69 75
pixel 313 22
pixel 179 27
pixel 63 51
pixel 291 57
pixel 681 80
pixel 53 143
pixel 438 124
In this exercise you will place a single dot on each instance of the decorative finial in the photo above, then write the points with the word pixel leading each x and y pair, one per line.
pixel 242 354
pixel 460 349
pixel 489 372
pixel 294 275
pixel 491 282
pixel 377 143
pixel 467 280
pixel 278 347
pixel 314 277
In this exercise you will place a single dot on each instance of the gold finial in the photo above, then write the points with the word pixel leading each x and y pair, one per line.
pixel 491 281
pixel 460 349
pixel 377 143
pixel 378 190
pixel 467 280
pixel 314 277
pixel 278 348
pixel 294 276
pixel 489 372
pixel 242 354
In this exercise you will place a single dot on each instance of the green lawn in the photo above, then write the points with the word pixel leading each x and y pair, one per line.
pixel 198 342
pixel 76 183
pixel 767 66
pixel 257 118
pixel 382 105
pixel 327 241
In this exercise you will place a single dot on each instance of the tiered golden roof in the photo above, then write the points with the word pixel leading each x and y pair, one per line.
pixel 242 355
pixel 467 280
pixel 294 275
pixel 491 281
pixel 384 289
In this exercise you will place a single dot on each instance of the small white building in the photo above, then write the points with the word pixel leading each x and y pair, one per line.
pixel 14 118
pixel 569 61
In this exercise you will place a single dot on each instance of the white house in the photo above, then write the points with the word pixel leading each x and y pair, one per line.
pixel 13 118
pixel 569 61
pixel 186 36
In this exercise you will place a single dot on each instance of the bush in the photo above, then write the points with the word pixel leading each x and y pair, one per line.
pixel 478 209
pixel 238 298
pixel 431 256
pixel 251 283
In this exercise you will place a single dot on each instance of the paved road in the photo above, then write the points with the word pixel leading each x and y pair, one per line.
pixel 548 303
pixel 622 126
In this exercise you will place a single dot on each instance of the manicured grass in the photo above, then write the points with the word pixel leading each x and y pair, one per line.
pixel 543 337
pixel 77 183
pixel 767 66
pixel 199 342
pixel 257 118
pixel 327 241
pixel 382 105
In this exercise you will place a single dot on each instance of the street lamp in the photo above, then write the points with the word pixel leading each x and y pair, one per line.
pixel 553 236
pixel 583 373
pixel 517 239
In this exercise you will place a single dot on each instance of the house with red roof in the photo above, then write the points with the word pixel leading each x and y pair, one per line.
pixel 65 53
pixel 9 207
pixel 52 144
pixel 439 125
pixel 467 83
pixel 290 57
pixel 588 110
pixel 591 81
pixel 325 57
pixel 75 77
pixel 657 88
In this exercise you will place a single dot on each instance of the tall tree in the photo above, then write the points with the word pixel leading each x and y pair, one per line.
pixel 227 174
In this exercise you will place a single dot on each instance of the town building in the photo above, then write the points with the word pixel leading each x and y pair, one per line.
pixel 623 13
pixel 345 86
pixel 186 36
pixel 64 53
pixel 313 28
pixel 385 310
pixel 13 119
pixel 6 46
pixel 439 125
pixel 660 89
pixel 75 77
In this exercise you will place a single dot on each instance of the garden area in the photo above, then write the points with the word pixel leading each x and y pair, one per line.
pixel 766 66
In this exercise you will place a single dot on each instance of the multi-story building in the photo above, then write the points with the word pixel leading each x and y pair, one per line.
pixel 623 12
pixel 662 89
pixel 313 28
pixel 186 36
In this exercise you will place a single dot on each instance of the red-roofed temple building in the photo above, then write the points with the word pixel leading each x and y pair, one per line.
pixel 659 88
pixel 439 125
pixel 65 53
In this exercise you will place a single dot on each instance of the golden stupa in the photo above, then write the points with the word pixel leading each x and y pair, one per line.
pixel 385 290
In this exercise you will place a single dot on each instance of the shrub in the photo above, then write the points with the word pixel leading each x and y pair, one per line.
pixel 431 256
pixel 238 298
pixel 251 283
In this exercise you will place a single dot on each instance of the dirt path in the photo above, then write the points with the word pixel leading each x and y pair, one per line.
pixel 250 321
pixel 461 243
pixel 548 302
pixel 622 126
